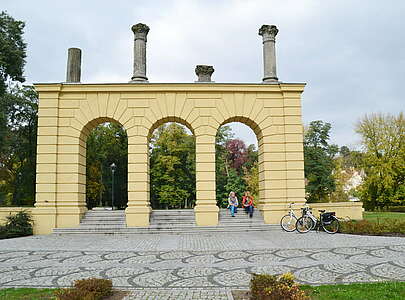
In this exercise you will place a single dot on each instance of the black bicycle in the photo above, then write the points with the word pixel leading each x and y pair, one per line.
pixel 327 221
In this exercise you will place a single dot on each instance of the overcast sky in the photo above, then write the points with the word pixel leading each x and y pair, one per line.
pixel 350 53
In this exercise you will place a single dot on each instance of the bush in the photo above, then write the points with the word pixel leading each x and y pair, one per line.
pixel 86 289
pixel 397 209
pixel 387 226
pixel 3 232
pixel 74 294
pixel 272 287
pixel 17 225
pixel 100 287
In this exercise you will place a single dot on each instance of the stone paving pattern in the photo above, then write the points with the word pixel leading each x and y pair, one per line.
pixel 208 265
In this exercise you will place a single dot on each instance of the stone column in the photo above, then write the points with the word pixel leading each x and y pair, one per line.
pixel 204 73
pixel 74 65
pixel 206 210
pixel 45 211
pixel 269 32
pixel 140 31
pixel 138 210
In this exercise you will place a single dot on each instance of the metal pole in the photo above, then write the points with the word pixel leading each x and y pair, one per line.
pixel 112 198
pixel 101 194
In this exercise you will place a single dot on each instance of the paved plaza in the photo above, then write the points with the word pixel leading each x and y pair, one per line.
pixel 204 266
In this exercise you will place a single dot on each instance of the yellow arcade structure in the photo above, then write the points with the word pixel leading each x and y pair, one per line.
pixel 69 111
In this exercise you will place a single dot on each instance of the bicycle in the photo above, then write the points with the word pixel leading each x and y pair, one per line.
pixel 327 221
pixel 288 222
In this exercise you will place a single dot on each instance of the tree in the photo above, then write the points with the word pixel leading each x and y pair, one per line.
pixel 17 176
pixel 237 154
pixel 252 179
pixel 172 167
pixel 12 50
pixel 318 155
pixel 18 158
pixel 346 166
pixel 12 61
pixel 383 141
pixel 224 134
pixel 236 166
pixel 235 183
pixel 350 158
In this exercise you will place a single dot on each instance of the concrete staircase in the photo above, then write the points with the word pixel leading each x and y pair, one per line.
pixel 173 221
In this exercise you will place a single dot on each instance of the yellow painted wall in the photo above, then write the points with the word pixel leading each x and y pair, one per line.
pixel 68 112
pixel 352 210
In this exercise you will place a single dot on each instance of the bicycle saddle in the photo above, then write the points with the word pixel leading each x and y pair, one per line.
pixel 321 210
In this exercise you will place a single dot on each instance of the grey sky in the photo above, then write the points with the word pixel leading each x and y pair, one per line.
pixel 350 53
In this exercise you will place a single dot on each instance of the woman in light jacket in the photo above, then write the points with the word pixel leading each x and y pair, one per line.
pixel 232 203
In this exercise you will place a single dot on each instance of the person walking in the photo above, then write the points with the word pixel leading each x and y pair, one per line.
pixel 232 203
pixel 247 203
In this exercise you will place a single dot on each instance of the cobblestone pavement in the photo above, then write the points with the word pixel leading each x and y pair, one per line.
pixel 181 294
pixel 208 266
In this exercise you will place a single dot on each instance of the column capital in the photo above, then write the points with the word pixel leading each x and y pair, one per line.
pixel 204 73
pixel 140 30
pixel 268 32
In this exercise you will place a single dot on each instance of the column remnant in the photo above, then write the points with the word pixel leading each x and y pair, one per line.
pixel 74 62
pixel 269 32
pixel 140 32
pixel 204 73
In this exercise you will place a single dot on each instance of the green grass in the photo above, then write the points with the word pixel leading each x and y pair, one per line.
pixel 358 291
pixel 378 216
pixel 27 294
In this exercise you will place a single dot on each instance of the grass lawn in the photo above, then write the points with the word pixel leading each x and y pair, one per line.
pixel 358 291
pixel 27 294
pixel 374 216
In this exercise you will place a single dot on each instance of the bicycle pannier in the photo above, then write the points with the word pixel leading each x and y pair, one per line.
pixel 327 217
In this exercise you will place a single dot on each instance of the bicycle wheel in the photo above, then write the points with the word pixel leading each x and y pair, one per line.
pixel 288 223
pixel 331 227
pixel 304 224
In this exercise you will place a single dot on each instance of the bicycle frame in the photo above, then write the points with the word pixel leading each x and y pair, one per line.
pixel 308 213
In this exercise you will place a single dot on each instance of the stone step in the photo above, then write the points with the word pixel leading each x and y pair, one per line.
pixel 173 227
pixel 174 211
pixel 166 214
pixel 105 214
pixel 172 219
pixel 101 223
pixel 149 230
pixel 173 223
pixel 101 219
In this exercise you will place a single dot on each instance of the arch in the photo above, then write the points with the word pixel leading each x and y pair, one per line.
pixel 169 119
pixel 86 130
pixel 93 124
pixel 247 121
pixel 259 135
pixel 155 126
